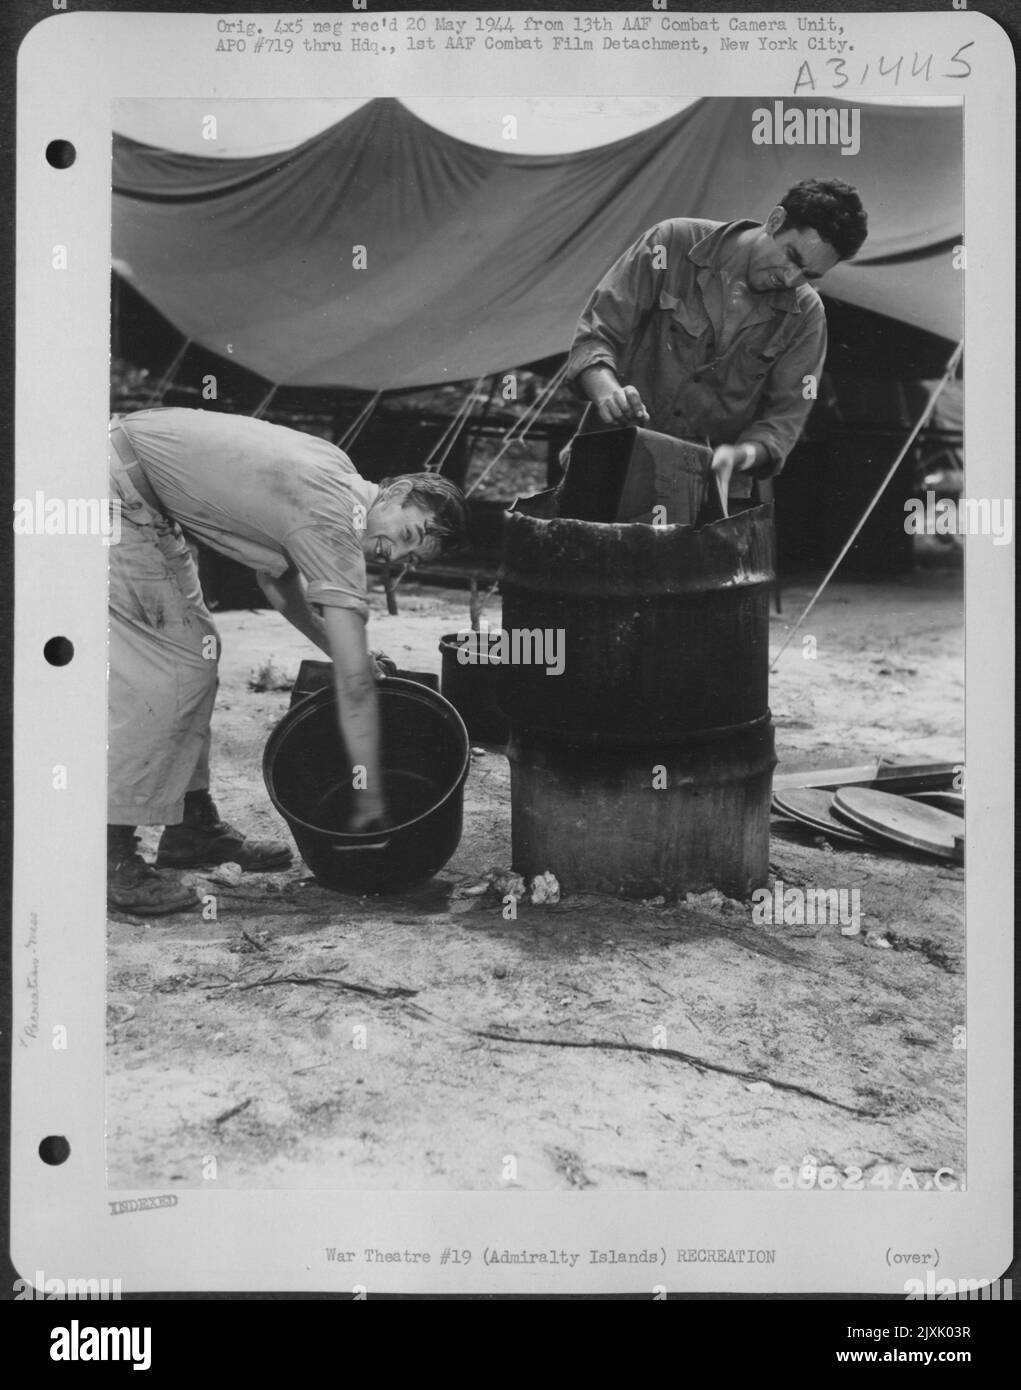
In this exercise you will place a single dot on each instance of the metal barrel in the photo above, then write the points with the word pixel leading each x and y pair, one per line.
pixel 663 630
pixel 642 758
pixel 638 822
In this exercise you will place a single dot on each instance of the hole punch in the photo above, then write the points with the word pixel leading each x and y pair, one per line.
pixel 59 651
pixel 61 154
pixel 54 1150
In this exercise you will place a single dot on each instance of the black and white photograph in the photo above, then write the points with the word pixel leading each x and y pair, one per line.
pixel 548 612
pixel 513 862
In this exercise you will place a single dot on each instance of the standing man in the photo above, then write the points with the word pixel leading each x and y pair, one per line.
pixel 291 507
pixel 713 331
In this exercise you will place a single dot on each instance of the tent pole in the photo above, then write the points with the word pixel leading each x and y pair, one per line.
pixel 170 373
pixel 951 369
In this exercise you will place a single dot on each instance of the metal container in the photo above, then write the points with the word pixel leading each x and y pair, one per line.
pixel 425 757
pixel 318 675
pixel 665 629
pixel 621 474
pixel 679 818
pixel 473 686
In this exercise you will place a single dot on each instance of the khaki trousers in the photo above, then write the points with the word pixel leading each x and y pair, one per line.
pixel 164 653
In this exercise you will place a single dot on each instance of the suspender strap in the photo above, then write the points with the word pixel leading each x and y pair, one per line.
pixel 121 445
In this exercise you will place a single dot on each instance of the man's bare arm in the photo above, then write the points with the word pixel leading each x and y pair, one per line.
pixel 287 595
pixel 357 711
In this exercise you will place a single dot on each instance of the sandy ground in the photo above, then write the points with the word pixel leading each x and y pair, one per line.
pixel 638 1045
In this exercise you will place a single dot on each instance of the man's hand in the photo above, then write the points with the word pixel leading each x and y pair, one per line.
pixel 728 459
pixel 615 404
pixel 365 818
pixel 382 665
pixel 623 406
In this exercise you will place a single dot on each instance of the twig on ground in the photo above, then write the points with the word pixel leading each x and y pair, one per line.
pixel 595 1044
pixel 699 1063
pixel 389 992
pixel 235 1110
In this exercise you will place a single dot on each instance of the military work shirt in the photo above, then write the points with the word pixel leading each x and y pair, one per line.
pixel 270 497
pixel 655 319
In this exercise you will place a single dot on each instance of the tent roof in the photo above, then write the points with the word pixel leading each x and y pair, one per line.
pixel 479 260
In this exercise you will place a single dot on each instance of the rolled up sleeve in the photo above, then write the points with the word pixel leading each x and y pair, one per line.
pixel 786 402
pixel 616 307
pixel 333 566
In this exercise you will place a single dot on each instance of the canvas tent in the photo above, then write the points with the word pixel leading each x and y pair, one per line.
pixel 477 261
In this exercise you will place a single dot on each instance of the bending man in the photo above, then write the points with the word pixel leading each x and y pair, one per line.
pixel 291 507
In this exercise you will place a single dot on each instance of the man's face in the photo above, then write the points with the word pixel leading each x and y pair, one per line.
pixel 396 529
pixel 783 258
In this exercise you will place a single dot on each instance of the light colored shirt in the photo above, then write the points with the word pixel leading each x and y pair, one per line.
pixel 656 319
pixel 269 497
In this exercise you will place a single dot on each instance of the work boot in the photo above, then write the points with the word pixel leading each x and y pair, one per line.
pixel 134 886
pixel 203 840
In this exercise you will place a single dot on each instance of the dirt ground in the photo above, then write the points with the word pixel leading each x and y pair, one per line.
pixel 636 1045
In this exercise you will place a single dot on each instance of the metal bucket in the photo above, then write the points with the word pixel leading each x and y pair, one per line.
pixel 673 819
pixel 473 687
pixel 425 757
pixel 318 675
pixel 665 628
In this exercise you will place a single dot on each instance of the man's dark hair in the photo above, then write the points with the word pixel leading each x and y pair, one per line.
pixel 443 499
pixel 833 209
